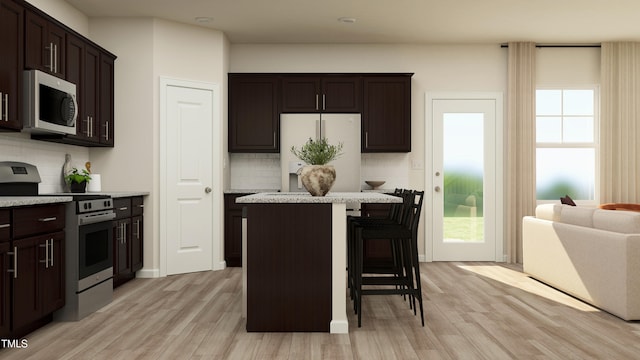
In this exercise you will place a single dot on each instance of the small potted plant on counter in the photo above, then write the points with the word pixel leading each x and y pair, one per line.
pixel 317 177
pixel 78 180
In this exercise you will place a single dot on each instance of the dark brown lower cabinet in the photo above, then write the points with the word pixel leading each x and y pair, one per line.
pixel 288 267
pixel 232 230
pixel 5 291
pixel 38 280
pixel 127 238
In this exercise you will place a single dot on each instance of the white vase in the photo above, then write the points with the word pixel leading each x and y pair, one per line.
pixel 318 179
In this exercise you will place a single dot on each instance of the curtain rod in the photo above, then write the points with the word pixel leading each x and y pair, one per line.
pixel 560 45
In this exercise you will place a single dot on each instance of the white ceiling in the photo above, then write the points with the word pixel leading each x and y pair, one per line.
pixel 394 21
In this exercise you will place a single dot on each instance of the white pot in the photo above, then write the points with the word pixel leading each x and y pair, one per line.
pixel 318 179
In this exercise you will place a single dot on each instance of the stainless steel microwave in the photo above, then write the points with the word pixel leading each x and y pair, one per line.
pixel 50 104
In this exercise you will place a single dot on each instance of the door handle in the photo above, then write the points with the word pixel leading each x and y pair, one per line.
pixel 437 189
pixel 207 190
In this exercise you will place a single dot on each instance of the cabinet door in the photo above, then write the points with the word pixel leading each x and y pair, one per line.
pixel 26 303
pixel 137 237
pixel 301 94
pixel 232 230
pixel 341 94
pixel 51 272
pixel 253 113
pixel 11 64
pixel 5 280
pixel 44 45
pixel 105 118
pixel 82 62
pixel 386 114
pixel 122 252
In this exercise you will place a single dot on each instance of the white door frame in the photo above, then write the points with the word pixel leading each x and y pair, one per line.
pixel 217 173
pixel 499 165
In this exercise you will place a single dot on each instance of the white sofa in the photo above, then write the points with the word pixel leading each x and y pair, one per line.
pixel 590 253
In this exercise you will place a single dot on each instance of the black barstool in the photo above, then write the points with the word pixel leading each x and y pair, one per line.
pixel 406 280
pixel 393 217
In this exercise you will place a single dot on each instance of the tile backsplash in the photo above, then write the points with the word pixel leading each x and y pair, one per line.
pixel 47 157
pixel 262 171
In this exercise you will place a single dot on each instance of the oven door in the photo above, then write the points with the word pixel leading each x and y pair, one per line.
pixel 95 248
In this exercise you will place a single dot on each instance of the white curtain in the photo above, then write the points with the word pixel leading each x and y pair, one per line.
pixel 521 144
pixel 619 122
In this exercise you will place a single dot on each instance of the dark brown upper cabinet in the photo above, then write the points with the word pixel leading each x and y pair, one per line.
pixel 11 64
pixel 386 113
pixel 321 93
pixel 253 113
pixel 83 61
pixel 44 45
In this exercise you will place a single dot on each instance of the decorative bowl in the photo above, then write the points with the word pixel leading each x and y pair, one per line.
pixel 374 184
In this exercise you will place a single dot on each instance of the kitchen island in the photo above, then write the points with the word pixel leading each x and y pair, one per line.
pixel 294 251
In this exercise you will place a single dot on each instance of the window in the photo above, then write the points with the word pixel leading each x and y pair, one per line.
pixel 566 144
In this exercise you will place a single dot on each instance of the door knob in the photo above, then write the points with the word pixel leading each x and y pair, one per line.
pixel 437 189
pixel 207 189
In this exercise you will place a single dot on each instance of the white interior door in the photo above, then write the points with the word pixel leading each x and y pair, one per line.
pixel 465 178
pixel 187 208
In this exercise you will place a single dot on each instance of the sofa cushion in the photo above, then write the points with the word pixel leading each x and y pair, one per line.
pixel 626 222
pixel 549 212
pixel 577 215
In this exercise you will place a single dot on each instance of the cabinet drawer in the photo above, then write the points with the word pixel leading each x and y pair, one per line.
pixel 137 206
pixel 122 207
pixel 37 220
pixel 5 225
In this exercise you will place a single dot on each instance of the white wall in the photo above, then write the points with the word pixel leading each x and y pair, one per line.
pixel 65 13
pixel 148 49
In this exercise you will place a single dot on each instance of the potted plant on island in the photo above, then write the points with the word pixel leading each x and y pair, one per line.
pixel 317 177
pixel 78 180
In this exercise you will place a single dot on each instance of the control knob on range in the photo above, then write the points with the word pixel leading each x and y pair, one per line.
pixel 87 206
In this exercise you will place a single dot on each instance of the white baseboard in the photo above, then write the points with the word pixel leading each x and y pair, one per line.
pixel 148 273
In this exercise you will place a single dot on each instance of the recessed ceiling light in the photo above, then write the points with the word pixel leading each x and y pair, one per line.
pixel 347 20
pixel 203 19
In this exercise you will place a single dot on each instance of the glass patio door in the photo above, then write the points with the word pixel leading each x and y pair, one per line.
pixel 464 180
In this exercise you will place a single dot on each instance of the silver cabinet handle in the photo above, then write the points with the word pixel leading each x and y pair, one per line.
pixel 317 101
pixel 46 256
pixel 106 134
pixel 366 139
pixel 6 107
pixel 124 232
pixel 274 140
pixel 1 112
pixel 324 107
pixel 5 226
pixel 137 229
pixel 51 252
pixel 48 219
pixel 207 190
pixel 55 57
pixel 15 262
pixel 123 208
pixel 50 48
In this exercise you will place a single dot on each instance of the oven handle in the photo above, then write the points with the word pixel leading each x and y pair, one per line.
pixel 96 217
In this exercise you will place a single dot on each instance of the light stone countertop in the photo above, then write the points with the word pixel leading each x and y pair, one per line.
pixel 13 201
pixel 306 198
pixel 249 191
pixel 113 194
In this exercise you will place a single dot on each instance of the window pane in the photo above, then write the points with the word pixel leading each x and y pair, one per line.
pixel 578 102
pixel 578 129
pixel 548 129
pixel 565 171
pixel 548 102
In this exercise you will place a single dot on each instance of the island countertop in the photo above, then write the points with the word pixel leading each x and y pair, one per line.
pixel 306 198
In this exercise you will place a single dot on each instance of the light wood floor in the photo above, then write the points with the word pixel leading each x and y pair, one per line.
pixel 473 311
